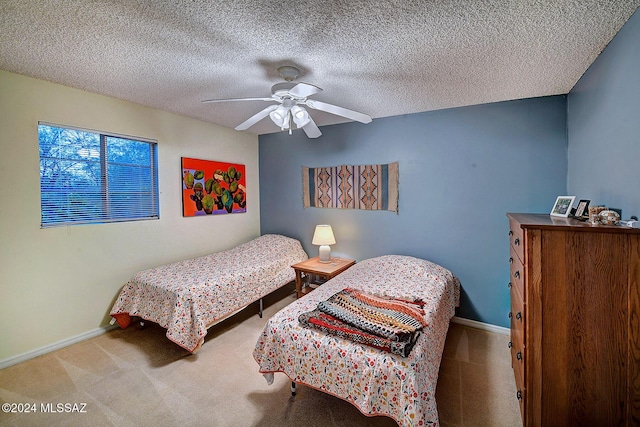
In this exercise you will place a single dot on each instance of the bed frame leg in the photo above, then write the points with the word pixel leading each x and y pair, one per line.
pixel 260 313
pixel 293 389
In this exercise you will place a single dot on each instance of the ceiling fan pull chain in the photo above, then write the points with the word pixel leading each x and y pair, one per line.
pixel 290 121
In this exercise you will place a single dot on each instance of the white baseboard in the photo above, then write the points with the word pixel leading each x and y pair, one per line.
pixel 54 346
pixel 479 325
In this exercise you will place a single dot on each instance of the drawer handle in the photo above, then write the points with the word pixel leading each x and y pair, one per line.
pixel 519 355
pixel 517 241
pixel 519 315
pixel 519 395
pixel 510 260
pixel 517 274
pixel 510 344
pixel 510 233
pixel 510 315
pixel 509 285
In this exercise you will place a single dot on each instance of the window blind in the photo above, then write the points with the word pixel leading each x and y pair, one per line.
pixel 91 177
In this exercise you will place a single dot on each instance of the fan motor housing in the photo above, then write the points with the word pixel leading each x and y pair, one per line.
pixel 282 89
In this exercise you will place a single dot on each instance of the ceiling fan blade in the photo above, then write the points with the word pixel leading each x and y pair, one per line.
pixel 256 118
pixel 339 111
pixel 238 99
pixel 311 129
pixel 303 90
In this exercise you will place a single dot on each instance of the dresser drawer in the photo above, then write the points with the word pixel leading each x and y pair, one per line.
pixel 521 395
pixel 518 374
pixel 517 362
pixel 516 238
pixel 517 277
pixel 517 344
pixel 517 318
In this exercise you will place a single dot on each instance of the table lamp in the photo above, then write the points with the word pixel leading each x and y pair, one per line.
pixel 323 236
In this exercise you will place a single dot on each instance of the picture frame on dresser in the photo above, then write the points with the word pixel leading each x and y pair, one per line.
pixel 582 211
pixel 562 206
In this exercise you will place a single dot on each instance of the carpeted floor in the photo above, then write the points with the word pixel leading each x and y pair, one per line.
pixel 137 377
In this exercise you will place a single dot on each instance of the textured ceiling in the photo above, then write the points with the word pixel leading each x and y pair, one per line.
pixel 382 58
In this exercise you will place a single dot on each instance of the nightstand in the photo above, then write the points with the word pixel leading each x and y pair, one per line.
pixel 313 272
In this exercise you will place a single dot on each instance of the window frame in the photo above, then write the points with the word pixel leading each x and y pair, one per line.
pixel 108 215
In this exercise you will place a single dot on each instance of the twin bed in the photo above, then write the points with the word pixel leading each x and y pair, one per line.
pixel 188 297
pixel 377 382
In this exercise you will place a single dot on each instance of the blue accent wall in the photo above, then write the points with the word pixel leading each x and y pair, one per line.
pixel 461 170
pixel 603 119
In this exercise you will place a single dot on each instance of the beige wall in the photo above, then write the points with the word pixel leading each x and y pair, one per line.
pixel 60 283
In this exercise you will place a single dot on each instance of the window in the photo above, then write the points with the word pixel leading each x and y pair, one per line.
pixel 88 177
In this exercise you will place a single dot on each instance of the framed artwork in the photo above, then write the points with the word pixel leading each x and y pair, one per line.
pixel 583 209
pixel 563 205
pixel 211 187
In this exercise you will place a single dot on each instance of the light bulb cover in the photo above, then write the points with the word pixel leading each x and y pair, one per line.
pixel 300 116
pixel 280 116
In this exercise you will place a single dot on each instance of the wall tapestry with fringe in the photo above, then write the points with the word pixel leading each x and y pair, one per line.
pixel 370 187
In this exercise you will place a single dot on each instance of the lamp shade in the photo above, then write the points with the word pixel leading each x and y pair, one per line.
pixel 323 235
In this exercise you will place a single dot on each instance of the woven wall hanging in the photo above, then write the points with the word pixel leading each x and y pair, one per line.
pixel 369 187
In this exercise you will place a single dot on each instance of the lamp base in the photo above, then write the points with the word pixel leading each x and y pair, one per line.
pixel 325 254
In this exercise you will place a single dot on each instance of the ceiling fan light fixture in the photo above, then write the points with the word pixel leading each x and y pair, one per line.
pixel 300 116
pixel 280 117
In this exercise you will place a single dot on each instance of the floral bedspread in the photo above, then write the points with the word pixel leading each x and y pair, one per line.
pixel 375 381
pixel 189 296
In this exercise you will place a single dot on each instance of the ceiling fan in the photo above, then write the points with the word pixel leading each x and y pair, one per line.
pixel 289 111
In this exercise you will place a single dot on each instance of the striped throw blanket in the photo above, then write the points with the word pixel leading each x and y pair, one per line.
pixel 389 324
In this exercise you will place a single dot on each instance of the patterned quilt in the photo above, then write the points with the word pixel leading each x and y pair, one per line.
pixel 187 297
pixel 377 382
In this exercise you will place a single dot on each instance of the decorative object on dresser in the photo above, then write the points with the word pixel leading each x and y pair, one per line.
pixel 594 214
pixel 323 236
pixel 562 206
pixel 582 211
pixel 609 217
pixel 575 321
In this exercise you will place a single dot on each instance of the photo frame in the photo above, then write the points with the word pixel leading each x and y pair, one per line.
pixel 212 187
pixel 582 210
pixel 562 206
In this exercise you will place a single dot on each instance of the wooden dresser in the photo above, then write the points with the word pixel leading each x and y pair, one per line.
pixel 575 321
